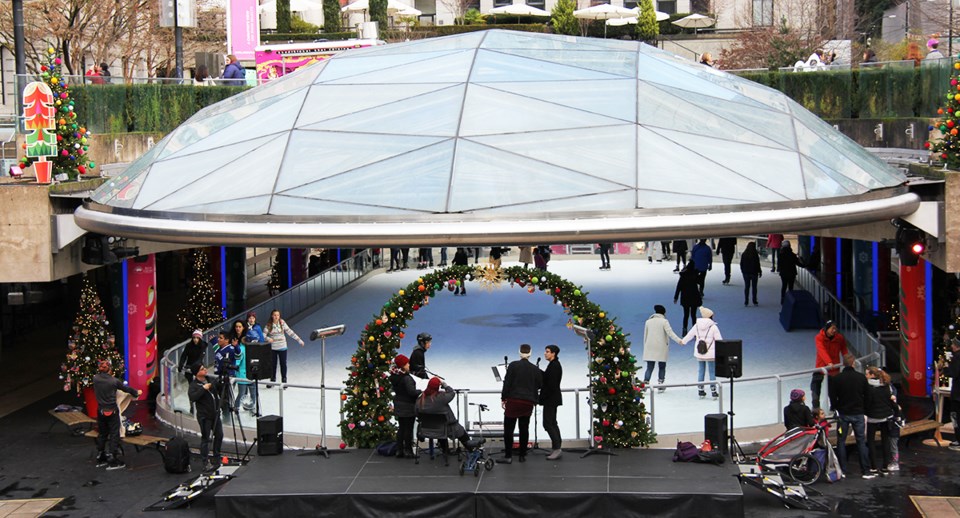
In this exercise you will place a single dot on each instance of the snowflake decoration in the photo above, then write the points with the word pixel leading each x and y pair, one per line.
pixel 490 278
pixel 922 293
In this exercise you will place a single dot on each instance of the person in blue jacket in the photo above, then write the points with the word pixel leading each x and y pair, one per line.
pixel 702 257
pixel 234 72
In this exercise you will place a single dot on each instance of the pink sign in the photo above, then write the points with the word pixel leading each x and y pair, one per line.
pixel 142 321
pixel 243 29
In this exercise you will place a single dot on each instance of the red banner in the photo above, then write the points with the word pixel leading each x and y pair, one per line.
pixel 913 328
pixel 142 321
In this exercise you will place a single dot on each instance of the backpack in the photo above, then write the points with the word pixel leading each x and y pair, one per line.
pixel 702 347
pixel 710 457
pixel 686 452
pixel 176 456
pixel 387 449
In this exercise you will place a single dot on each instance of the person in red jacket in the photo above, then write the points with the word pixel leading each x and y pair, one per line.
pixel 831 346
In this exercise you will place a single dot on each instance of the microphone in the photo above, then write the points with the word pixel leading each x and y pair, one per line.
pixel 538 361
pixel 506 360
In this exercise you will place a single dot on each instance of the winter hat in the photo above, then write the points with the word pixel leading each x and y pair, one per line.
pixel 401 360
pixel 797 394
pixel 197 333
pixel 706 312
pixel 433 386
pixel 932 42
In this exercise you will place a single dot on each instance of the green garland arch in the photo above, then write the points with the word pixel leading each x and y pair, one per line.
pixel 618 409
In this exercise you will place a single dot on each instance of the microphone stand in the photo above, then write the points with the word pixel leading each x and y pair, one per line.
pixel 322 447
pixel 587 336
pixel 536 426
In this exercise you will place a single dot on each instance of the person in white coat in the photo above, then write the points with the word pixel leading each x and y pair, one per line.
pixel 705 330
pixel 657 334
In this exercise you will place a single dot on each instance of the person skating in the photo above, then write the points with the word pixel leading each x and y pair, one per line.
pixel 105 388
pixel 705 330
pixel 726 248
pixel 521 390
pixel 460 259
pixel 551 398
pixel 702 258
pixel 688 294
pixel 752 271
pixel 605 255
pixel 657 334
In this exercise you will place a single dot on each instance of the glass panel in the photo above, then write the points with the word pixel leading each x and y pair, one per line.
pixel 778 170
pixel 137 168
pixel 437 113
pixel 659 109
pixel 606 97
pixel 283 86
pixel 346 68
pixel 293 206
pixel 519 40
pixel 329 101
pixel 670 168
pixel 666 200
pixel 608 153
pixel 125 193
pixel 487 178
pixel 824 183
pixel 245 177
pixel 449 68
pixel 254 205
pixel 488 111
pixel 314 155
pixel 820 149
pixel 622 200
pixel 609 61
pixel 459 41
pixel 384 183
pixel 270 118
pixel 169 176
pixel 493 66
pixel 654 70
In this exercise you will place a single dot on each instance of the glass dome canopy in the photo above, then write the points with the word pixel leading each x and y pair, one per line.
pixel 464 137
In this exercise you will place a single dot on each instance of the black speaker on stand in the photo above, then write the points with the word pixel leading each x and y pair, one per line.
pixel 270 435
pixel 715 430
pixel 729 364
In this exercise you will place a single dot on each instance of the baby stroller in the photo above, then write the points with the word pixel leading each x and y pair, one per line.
pixel 802 453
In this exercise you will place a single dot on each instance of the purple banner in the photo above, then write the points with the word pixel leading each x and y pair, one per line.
pixel 243 29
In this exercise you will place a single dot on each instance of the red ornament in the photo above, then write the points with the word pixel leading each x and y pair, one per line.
pixel 81 169
pixel 401 335
pixel 416 306
pixel 606 422
pixel 926 145
pixel 950 123
pixel 612 391
pixel 343 397
pixel 421 287
pixel 343 446
pixel 379 322
pixel 557 290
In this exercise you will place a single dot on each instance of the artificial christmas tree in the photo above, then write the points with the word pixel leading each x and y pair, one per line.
pixel 202 311
pixel 72 137
pixel 947 148
pixel 91 341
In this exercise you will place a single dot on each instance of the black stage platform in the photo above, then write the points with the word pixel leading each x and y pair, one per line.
pixel 362 483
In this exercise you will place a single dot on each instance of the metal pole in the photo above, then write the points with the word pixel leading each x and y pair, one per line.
pixel 18 42
pixel 178 40
pixel 949 32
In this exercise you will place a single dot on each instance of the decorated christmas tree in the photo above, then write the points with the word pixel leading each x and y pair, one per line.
pixel 275 284
pixel 947 148
pixel 619 412
pixel 202 310
pixel 90 342
pixel 72 137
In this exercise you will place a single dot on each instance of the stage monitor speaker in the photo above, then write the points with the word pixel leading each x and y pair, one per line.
pixel 259 360
pixel 715 430
pixel 729 357
pixel 270 435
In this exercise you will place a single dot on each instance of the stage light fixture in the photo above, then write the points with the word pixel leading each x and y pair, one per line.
pixel 911 243
pixel 324 332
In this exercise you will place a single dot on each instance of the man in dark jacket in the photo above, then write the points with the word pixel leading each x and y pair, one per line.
pixel 848 393
pixel 952 370
pixel 521 388
pixel 797 413
pixel 405 395
pixel 205 394
pixel 551 398
pixel 680 248
pixel 105 388
pixel 703 261
pixel 726 248
pixel 418 361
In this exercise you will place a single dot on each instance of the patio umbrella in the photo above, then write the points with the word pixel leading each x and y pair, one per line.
pixel 661 16
pixel 297 6
pixel 695 21
pixel 519 10
pixel 393 7
pixel 604 12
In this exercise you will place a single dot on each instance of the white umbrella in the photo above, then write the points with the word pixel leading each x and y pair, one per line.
pixel 519 10
pixel 661 16
pixel 616 22
pixel 604 12
pixel 297 6
pixel 695 21
pixel 393 7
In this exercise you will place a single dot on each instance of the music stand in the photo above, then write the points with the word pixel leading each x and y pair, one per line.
pixel 588 336
pixel 322 334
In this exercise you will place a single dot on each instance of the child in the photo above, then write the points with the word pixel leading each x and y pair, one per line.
pixel 820 417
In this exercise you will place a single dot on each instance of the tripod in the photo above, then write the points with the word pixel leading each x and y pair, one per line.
pixel 536 439
pixel 226 394
pixel 733 440
pixel 588 336
pixel 322 447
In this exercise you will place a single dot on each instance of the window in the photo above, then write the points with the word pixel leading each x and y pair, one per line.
pixel 501 3
pixel 667 6
pixel 762 13
pixel 539 4
pixel 630 4
pixel 700 6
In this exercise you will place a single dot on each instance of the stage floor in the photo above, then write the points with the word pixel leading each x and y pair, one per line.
pixel 362 483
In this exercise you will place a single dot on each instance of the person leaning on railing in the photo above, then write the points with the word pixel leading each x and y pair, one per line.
pixel 274 332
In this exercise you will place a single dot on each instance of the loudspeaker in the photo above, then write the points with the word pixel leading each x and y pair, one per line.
pixel 715 430
pixel 729 357
pixel 259 360
pixel 270 435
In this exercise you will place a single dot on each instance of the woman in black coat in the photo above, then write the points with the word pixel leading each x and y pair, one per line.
pixel 405 396
pixel 788 269
pixel 688 293
pixel 680 248
pixel 751 270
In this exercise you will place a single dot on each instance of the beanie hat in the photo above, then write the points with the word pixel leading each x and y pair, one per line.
pixel 401 360
pixel 706 312
pixel 797 394
pixel 197 333
pixel 433 386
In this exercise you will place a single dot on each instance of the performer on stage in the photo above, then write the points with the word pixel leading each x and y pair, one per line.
pixel 433 401
pixel 418 365
pixel 105 388
pixel 551 398
pixel 405 396
pixel 205 394
pixel 520 392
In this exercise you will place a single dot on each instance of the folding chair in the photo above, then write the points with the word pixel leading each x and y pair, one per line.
pixel 433 427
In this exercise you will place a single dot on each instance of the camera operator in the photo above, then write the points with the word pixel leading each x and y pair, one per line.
pixel 205 394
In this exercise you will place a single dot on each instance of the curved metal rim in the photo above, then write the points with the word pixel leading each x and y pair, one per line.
pixel 453 229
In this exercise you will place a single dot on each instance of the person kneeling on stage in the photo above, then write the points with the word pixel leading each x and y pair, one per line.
pixel 433 401
pixel 405 397
pixel 521 389
pixel 205 394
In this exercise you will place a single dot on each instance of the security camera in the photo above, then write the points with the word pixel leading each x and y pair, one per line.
pixel 324 332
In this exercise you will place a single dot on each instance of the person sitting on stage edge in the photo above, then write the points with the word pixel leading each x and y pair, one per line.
pixel 551 398
pixel 797 413
pixel 521 388
pixel 432 401
pixel 105 388
pixel 205 394
pixel 405 397
pixel 418 361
